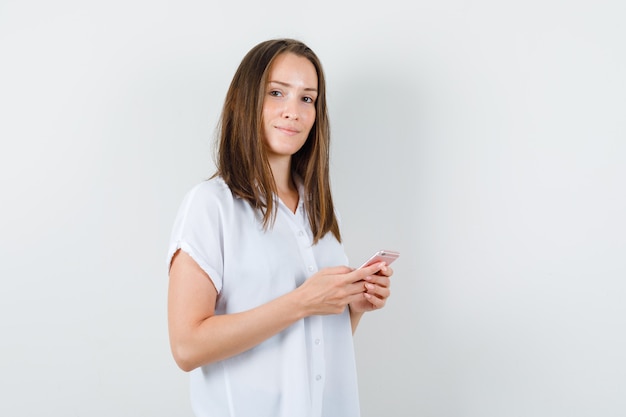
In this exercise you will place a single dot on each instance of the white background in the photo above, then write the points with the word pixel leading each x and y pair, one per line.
pixel 485 140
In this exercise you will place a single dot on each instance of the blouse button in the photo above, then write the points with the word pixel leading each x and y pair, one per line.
pixel 300 233
pixel 310 268
pixel 317 342
pixel 318 377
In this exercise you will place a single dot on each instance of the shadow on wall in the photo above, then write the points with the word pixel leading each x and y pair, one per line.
pixel 378 132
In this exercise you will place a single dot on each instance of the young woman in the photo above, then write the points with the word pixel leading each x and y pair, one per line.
pixel 261 305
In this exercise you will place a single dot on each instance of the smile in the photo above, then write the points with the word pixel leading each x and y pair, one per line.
pixel 287 130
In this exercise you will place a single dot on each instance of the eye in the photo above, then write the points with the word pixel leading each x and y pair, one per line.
pixel 308 100
pixel 275 93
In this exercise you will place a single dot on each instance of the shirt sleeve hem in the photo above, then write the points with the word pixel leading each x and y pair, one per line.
pixel 214 276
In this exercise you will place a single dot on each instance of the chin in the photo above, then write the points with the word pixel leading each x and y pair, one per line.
pixel 287 150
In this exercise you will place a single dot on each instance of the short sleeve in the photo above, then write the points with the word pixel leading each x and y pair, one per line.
pixel 198 231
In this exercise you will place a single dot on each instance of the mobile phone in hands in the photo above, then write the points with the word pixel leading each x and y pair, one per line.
pixel 388 256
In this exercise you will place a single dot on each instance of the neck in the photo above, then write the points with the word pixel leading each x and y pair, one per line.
pixel 281 170
pixel 285 187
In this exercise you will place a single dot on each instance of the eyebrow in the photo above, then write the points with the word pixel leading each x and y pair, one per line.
pixel 289 85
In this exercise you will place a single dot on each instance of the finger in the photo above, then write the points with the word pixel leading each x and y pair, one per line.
pixel 337 270
pixel 375 301
pixel 377 290
pixel 356 288
pixel 355 298
pixel 381 280
pixel 385 271
pixel 362 273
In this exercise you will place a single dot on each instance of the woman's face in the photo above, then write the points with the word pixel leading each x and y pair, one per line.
pixel 289 105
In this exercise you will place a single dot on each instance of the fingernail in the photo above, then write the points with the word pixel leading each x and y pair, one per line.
pixel 369 286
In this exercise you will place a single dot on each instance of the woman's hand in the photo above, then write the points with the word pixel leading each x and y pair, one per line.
pixel 330 290
pixel 376 291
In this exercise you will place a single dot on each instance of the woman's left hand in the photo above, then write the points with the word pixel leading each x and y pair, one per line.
pixel 376 291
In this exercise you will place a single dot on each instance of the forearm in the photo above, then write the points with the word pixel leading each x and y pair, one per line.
pixel 355 318
pixel 221 336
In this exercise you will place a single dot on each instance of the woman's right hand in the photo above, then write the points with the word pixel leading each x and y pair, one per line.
pixel 330 290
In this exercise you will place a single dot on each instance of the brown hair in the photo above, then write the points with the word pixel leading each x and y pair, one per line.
pixel 241 158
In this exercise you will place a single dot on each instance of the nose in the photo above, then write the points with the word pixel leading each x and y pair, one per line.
pixel 290 111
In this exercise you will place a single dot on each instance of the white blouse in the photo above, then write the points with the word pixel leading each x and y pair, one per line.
pixel 307 370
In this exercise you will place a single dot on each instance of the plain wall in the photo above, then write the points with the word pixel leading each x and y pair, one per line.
pixel 484 140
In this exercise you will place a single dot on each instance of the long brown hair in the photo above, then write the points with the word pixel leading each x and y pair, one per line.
pixel 241 158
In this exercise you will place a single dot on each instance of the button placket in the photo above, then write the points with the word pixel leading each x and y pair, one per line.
pixel 318 366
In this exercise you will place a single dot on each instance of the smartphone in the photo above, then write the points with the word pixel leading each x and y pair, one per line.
pixel 382 255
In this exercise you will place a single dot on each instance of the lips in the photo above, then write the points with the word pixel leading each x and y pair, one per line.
pixel 287 130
